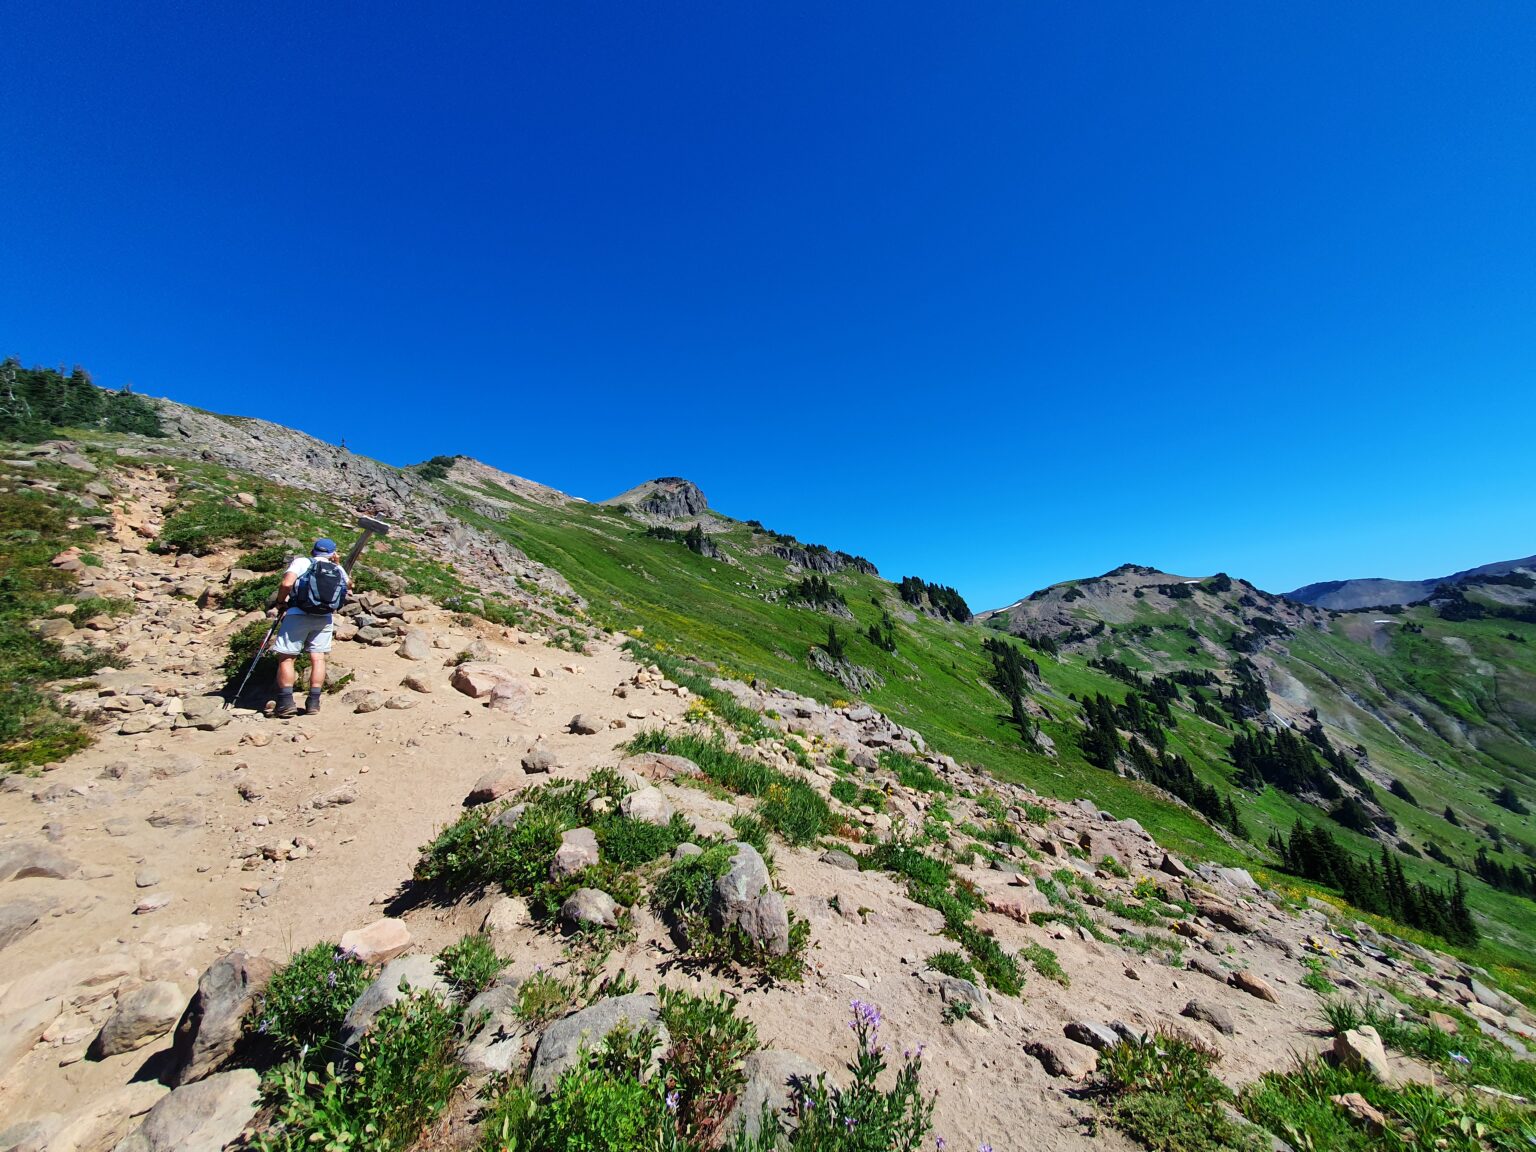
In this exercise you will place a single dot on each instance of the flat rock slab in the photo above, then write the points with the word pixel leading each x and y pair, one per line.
pixel 378 942
pixel 20 917
pixel 21 861
pixel 201 1117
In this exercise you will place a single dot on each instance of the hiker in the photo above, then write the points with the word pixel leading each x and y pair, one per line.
pixel 313 587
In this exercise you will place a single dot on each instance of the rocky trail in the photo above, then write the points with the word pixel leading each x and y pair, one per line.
pixel 194 842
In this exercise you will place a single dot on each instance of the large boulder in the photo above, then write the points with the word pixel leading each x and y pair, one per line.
pixel 744 898
pixel 564 1040
pixel 141 1017
pixel 211 1026
pixel 201 1117
pixel 205 712
pixel 399 979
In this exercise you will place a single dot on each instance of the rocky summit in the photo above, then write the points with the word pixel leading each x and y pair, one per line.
pixel 601 834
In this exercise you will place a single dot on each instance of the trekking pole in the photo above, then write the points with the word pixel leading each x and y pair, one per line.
pixel 260 649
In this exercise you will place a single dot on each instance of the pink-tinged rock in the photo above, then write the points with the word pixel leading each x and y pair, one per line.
pixel 379 942
pixel 498 782
pixel 1253 985
pixel 509 696
pixel 577 851
pixel 478 679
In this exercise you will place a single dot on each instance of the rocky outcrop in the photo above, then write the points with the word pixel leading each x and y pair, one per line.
pixel 667 498
pixel 743 898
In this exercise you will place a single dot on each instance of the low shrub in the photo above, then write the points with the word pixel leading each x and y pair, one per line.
pixel 1159 1090
pixel 268 558
pixel 471 965
pixel 789 806
pixel 305 1000
pixel 404 1074
pixel 703 1073
pixel 913 773
pixel 197 526
pixel 1045 962
pixel 952 963
pixel 252 595
pixel 682 896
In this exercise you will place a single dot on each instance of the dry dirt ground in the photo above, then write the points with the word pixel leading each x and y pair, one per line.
pixel 179 844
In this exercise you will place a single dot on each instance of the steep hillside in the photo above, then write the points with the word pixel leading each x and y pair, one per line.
pixel 1348 595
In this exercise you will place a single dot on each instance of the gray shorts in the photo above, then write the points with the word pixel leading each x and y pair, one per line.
pixel 301 632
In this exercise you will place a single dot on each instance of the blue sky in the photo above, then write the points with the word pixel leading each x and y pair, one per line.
pixel 997 294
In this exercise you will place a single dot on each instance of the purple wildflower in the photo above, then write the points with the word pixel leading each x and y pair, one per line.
pixel 672 1101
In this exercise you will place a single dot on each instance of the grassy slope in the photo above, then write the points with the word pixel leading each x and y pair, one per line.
pixel 936 682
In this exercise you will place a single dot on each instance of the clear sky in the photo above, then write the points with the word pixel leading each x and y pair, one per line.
pixel 995 294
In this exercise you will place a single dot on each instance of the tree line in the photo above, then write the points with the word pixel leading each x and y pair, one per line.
pixel 36 401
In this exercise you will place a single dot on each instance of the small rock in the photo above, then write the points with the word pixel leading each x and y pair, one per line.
pixel 954 990
pixel 417 682
pixel 1173 867
pixel 1092 1033
pixel 335 798
pixel 588 906
pixel 153 903
pixel 1361 1110
pixel 1213 1014
pixel 539 758
pixel 498 782
pixel 369 702
pixel 647 805
pixel 1245 981
pixel 837 858
pixel 577 851
pixel 583 725
pixel 507 924
pixel 146 878
pixel 1064 1058
pixel 415 646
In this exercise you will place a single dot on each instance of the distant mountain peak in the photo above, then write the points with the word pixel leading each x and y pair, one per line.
pixel 668 497
pixel 1376 592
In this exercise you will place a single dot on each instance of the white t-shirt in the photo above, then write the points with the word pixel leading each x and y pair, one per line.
pixel 300 566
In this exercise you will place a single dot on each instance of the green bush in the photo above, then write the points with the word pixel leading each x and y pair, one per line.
pixel 252 595
pixel 474 851
pixel 1045 962
pixel 845 790
pixel 1160 1091
pixel 953 963
pixel 913 773
pixel 198 525
pixel 305 1000
pixel 629 843
pixel 268 558
pixel 471 965
pixel 405 1072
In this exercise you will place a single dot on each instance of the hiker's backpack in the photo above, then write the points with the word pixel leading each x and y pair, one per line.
pixel 321 590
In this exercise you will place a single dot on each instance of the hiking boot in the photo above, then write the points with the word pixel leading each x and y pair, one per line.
pixel 312 704
pixel 286 711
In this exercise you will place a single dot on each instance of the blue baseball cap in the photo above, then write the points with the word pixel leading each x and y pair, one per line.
pixel 324 544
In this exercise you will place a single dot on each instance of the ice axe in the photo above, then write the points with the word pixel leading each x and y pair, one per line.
pixel 371 528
